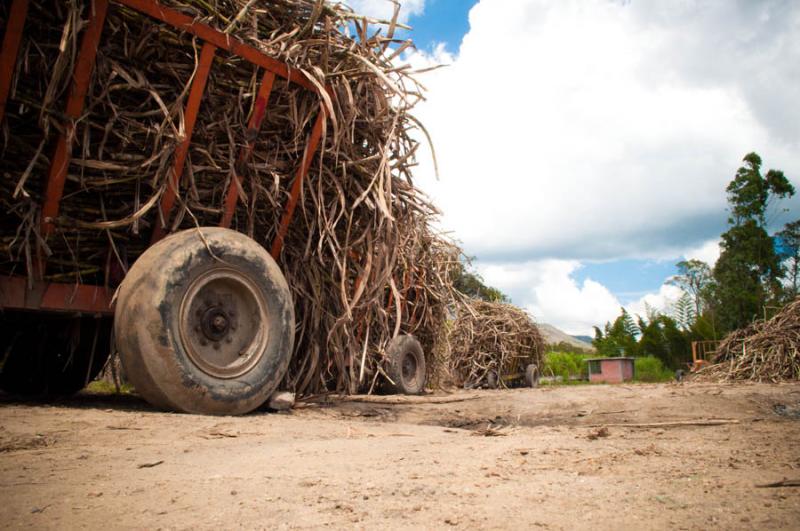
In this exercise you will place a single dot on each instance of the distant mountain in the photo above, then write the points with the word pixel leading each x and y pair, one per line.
pixel 585 339
pixel 553 335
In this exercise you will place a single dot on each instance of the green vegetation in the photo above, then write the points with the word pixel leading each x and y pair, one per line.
pixel 650 369
pixel 102 387
pixel 573 368
pixel 566 365
pixel 658 336
pixel 748 274
pixel 755 275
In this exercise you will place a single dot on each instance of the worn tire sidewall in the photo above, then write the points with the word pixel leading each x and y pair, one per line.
pixel 398 349
pixel 167 273
pixel 532 376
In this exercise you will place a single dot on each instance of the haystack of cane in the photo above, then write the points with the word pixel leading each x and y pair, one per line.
pixel 766 351
pixel 490 341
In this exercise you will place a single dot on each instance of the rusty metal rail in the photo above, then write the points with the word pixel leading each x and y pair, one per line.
pixel 33 293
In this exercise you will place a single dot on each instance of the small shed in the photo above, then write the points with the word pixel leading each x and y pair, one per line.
pixel 610 370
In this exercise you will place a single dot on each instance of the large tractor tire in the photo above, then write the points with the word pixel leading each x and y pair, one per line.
pixel 406 366
pixel 205 323
pixel 51 355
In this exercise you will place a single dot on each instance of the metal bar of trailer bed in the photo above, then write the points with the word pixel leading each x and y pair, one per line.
pixel 253 125
pixel 190 117
pixel 8 56
pixel 77 97
pixel 220 40
pixel 14 293
pixel 302 171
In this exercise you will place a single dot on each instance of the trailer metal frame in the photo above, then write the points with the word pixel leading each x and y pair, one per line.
pixel 33 293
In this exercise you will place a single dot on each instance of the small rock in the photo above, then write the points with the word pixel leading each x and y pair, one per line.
pixel 281 401
pixel 602 432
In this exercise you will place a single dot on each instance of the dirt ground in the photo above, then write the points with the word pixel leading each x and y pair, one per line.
pixel 552 458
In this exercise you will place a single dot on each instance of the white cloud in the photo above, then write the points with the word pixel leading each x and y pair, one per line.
pixel 577 130
pixel 662 301
pixel 384 9
pixel 547 290
pixel 588 129
pixel 708 252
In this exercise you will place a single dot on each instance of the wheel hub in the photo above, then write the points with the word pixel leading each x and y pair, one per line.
pixel 224 323
pixel 215 323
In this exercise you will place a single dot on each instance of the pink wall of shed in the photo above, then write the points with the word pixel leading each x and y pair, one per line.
pixel 613 371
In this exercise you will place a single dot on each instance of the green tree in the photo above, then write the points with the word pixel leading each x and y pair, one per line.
pixel 683 311
pixel 662 338
pixel 619 338
pixel 790 253
pixel 748 271
pixel 694 278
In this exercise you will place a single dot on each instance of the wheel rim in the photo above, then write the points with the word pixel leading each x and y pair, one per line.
pixel 409 369
pixel 223 323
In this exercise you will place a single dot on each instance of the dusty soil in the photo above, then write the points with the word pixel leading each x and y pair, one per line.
pixel 556 458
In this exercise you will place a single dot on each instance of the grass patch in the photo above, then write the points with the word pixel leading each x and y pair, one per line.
pixel 102 387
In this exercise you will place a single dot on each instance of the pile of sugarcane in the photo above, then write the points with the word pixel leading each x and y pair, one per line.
pixel 765 351
pixel 360 255
pixel 491 342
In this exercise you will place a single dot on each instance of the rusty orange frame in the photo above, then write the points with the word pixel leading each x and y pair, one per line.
pixel 14 290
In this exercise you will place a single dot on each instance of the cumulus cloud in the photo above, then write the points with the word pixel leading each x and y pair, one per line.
pixel 590 129
pixel 708 252
pixel 579 130
pixel 547 290
pixel 384 9
pixel 662 301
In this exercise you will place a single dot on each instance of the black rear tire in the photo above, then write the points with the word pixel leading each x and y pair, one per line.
pixel 406 366
pixel 532 376
pixel 205 323
pixel 51 355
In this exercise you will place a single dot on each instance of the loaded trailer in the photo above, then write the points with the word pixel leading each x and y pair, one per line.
pixel 202 317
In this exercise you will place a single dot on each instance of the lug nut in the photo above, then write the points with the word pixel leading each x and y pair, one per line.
pixel 229 339
pixel 216 346
pixel 203 342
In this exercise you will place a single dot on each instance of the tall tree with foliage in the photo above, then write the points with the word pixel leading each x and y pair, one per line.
pixel 694 278
pixel 748 271
pixel 790 253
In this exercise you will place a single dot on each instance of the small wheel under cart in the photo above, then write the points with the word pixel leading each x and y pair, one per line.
pixel 405 366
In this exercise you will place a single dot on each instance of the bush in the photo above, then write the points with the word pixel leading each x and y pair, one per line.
pixel 651 369
pixel 566 365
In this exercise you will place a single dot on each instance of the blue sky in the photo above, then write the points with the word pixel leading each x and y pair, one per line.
pixel 584 146
pixel 443 21
pixel 628 279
